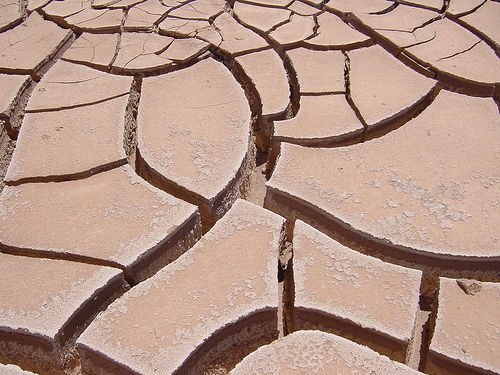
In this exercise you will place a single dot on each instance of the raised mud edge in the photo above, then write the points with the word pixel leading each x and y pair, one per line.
pixel 97 363
pixel 168 250
pixel 46 356
pixel 295 208
pixel 384 344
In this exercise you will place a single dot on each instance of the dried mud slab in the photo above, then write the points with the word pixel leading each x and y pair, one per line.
pixel 272 3
pixel 220 295
pixel 75 139
pixel 359 7
pixel 10 14
pixel 261 18
pixel 67 85
pixel 96 20
pixel 485 19
pixel 266 71
pixel 194 136
pixel 237 38
pixel 46 305
pixel 319 71
pixel 115 4
pixel 200 9
pixel 13 370
pixel 57 10
pixel 298 29
pixel 458 7
pixel 144 16
pixel 317 124
pixel 466 337
pixel 339 290
pixel 381 86
pixel 457 53
pixel 73 143
pixel 402 26
pixel 146 52
pixel 183 50
pixel 142 51
pixel 96 50
pixel 26 47
pixel 112 218
pixel 427 189
pixel 181 28
pixel 319 353
pixel 435 5
pixel 332 32
pixel 303 9
pixel 358 108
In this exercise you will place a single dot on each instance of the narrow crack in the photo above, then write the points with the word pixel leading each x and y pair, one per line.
pixel 187 19
pixel 63 108
pixel 76 81
pixel 466 13
pixel 348 97
pixel 402 117
pixel 426 23
pixel 447 80
pixel 333 47
pixel 386 10
pixel 48 254
pixel 315 30
pixel 421 42
pixel 80 29
pixel 459 52
pixel 306 14
pixel 417 5
pixel 293 83
pixel 126 7
pixel 143 52
pixel 263 5
pixel 323 93
pixel 170 10
pixel 480 34
pixel 252 50
pixel 104 5
pixel 70 176
pixel 11 128
pixel 117 47
pixel 211 19
pixel 280 24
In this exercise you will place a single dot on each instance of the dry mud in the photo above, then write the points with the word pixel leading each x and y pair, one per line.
pixel 250 186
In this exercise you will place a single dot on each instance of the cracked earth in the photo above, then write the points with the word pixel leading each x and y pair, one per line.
pixel 249 187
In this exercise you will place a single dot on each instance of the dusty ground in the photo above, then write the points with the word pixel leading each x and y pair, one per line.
pixel 271 186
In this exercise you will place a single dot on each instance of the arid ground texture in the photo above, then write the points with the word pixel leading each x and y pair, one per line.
pixel 212 187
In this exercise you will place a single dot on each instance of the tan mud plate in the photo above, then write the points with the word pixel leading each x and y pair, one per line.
pixel 316 352
pixel 364 132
